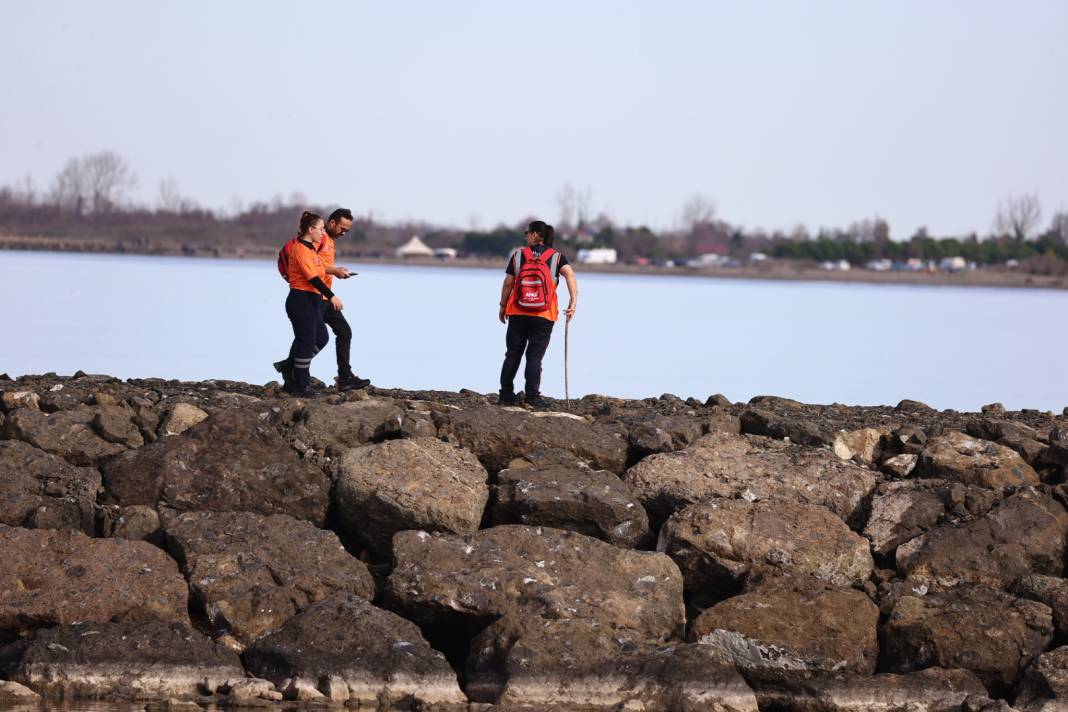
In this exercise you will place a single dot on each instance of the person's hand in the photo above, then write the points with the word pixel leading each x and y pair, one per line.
pixel 335 302
pixel 501 316
pixel 342 272
pixel 570 311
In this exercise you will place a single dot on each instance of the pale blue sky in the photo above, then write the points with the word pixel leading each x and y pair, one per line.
pixel 821 113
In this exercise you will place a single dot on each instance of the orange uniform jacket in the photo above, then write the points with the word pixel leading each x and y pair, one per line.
pixel 304 265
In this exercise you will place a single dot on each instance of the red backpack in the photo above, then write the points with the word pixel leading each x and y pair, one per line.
pixel 535 287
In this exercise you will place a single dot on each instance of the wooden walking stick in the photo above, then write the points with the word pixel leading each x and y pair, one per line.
pixel 567 390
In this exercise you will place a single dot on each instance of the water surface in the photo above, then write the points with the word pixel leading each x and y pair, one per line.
pixel 634 335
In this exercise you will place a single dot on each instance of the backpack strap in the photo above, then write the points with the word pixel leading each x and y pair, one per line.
pixel 554 265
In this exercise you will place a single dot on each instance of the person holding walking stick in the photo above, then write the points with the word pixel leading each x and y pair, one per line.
pixel 529 306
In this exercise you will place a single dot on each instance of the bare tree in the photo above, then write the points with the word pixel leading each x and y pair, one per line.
pixel 171 199
pixel 1018 216
pixel 95 183
pixel 698 210
pixel 574 206
pixel 1058 227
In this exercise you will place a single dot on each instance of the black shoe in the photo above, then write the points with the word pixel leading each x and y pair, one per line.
pixel 306 392
pixel 507 399
pixel 285 367
pixel 352 382
pixel 536 401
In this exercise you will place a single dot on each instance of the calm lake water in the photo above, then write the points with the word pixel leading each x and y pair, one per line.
pixel 634 336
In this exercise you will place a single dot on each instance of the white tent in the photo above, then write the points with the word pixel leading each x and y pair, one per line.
pixel 414 248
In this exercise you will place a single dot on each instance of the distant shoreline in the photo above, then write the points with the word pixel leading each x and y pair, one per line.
pixel 772 270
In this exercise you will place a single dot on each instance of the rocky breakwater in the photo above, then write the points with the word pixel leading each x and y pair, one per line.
pixel 220 543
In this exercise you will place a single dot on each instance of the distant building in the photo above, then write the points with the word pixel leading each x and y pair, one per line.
pixel 706 260
pixel 952 264
pixel 414 248
pixel 879 265
pixel 598 256
pixel 836 265
pixel 757 257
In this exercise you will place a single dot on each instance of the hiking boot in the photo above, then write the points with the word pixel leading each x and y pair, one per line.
pixel 285 367
pixel 306 392
pixel 352 382
pixel 536 401
pixel 507 399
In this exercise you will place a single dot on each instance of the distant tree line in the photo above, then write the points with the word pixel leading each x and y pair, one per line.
pixel 89 201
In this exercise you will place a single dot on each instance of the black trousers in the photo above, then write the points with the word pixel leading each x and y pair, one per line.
pixel 309 332
pixel 528 334
pixel 335 319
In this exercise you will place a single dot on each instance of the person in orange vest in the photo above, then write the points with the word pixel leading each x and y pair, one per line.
pixel 305 272
pixel 339 223
pixel 529 307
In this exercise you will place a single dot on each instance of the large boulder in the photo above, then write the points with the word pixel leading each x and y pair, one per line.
pixel 795 427
pixel 650 433
pixel 498 435
pixel 1044 687
pixel 977 628
pixel 66 433
pixel 592 502
pixel 131 660
pixel 473 579
pixel 718 544
pixel 722 465
pixel 1025 534
pixel 232 461
pixel 577 664
pixel 863 446
pixel 50 578
pixel 422 484
pixel 348 651
pixel 41 490
pixel 776 634
pixel 333 429
pixel 1051 590
pixel 973 461
pixel 933 689
pixel 249 573
pixel 901 511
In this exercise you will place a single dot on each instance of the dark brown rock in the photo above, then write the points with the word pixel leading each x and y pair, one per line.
pixel 721 465
pixel 50 578
pixel 250 573
pixel 133 660
pixel 422 484
pixel 498 435
pixel 591 502
pixel 977 628
pixel 66 433
pixel 973 461
pixel 1025 534
pixel 233 461
pixel 41 490
pixel 333 429
pixel 1044 688
pixel 717 545
pixel 114 424
pixel 577 664
pixel 534 571
pixel 901 511
pixel 779 633
pixel 798 429
pixel 351 652
pixel 932 689
pixel 1050 590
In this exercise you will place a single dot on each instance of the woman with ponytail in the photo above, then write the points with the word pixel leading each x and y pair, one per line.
pixel 306 274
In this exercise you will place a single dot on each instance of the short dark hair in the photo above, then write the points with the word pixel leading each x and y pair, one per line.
pixel 340 213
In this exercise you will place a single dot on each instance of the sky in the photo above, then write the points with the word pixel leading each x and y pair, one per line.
pixel 470 114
